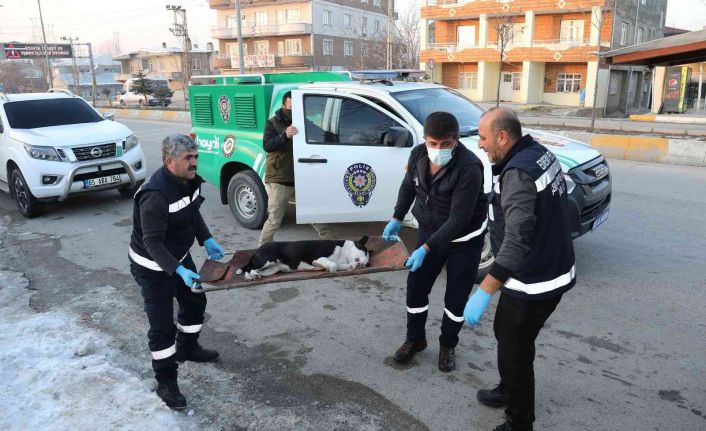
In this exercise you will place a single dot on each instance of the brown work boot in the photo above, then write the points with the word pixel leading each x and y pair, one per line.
pixel 447 359
pixel 408 349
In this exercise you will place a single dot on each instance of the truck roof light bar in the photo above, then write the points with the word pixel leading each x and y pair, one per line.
pixel 389 75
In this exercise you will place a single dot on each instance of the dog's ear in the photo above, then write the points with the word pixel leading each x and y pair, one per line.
pixel 362 241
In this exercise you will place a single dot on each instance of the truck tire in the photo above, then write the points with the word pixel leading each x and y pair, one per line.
pixel 486 259
pixel 27 204
pixel 128 192
pixel 247 199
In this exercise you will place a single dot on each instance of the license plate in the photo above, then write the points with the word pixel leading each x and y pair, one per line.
pixel 101 181
pixel 600 219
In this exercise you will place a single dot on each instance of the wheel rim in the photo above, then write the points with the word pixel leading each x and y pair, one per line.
pixel 245 201
pixel 21 193
pixel 486 255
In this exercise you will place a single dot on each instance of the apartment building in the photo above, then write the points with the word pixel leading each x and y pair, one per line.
pixel 550 49
pixel 286 35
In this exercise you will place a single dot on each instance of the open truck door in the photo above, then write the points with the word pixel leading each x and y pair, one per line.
pixel 349 157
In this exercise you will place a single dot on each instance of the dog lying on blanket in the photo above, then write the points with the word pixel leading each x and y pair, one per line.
pixel 318 255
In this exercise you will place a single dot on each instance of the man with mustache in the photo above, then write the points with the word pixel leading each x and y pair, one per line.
pixel 165 222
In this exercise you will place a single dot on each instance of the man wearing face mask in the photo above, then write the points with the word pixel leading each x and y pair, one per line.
pixel 444 180
pixel 279 177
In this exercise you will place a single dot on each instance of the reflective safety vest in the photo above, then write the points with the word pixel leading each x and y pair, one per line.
pixel 549 267
pixel 184 202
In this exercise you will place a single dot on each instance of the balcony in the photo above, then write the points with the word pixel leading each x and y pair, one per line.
pixel 264 61
pixel 250 29
pixel 219 4
pixel 460 9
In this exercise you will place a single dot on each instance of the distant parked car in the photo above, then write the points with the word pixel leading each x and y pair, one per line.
pixel 128 97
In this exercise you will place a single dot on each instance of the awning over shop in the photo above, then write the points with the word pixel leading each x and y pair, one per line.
pixel 680 49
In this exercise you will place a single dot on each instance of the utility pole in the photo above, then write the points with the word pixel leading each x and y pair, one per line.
pixel 241 60
pixel 634 40
pixel 50 80
pixel 390 9
pixel 180 29
pixel 73 59
pixel 93 72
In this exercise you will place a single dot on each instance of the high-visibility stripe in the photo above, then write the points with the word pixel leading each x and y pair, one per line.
pixel 473 234
pixel 189 329
pixel 544 286
pixel 418 310
pixel 163 354
pixel 183 202
pixel 143 261
pixel 453 317
pixel 258 159
pixel 547 177
pixel 491 214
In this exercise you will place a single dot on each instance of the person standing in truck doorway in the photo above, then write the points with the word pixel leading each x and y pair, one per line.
pixel 279 176
pixel 444 180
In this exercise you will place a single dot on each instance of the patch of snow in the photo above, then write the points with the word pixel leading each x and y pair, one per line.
pixel 58 374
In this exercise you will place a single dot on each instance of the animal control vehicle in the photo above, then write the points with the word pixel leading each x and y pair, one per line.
pixel 54 145
pixel 353 143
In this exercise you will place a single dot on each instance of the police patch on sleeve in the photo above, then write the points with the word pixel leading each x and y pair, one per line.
pixel 229 145
pixel 224 107
pixel 359 181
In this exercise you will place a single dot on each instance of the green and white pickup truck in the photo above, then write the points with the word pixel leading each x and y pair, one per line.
pixel 354 140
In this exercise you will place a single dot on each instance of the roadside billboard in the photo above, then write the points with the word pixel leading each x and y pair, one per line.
pixel 18 51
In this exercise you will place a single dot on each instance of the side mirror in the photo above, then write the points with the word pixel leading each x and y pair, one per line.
pixel 122 92
pixel 109 116
pixel 397 137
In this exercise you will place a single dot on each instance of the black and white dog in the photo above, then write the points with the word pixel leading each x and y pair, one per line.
pixel 319 255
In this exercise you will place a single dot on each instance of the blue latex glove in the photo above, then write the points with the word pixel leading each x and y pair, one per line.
pixel 475 306
pixel 214 250
pixel 191 279
pixel 416 259
pixel 391 230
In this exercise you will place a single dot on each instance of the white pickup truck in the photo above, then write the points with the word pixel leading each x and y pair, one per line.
pixel 55 144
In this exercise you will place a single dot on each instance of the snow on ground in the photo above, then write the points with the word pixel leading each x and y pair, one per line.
pixel 58 374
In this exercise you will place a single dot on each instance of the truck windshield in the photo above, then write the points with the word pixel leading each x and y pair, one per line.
pixel 421 103
pixel 32 114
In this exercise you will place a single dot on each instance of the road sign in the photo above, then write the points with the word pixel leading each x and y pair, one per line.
pixel 431 63
pixel 16 51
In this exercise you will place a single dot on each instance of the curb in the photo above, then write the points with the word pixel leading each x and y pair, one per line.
pixel 145 114
pixel 668 119
pixel 689 152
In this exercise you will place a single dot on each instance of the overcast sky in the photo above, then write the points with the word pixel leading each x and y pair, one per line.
pixel 145 23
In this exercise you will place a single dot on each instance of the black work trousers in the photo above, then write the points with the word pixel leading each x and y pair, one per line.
pixel 159 291
pixel 516 326
pixel 461 260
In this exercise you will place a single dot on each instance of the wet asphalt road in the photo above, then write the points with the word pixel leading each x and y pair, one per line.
pixel 624 350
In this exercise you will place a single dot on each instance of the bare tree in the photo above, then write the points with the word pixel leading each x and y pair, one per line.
pixel 407 35
pixel 597 22
pixel 364 34
pixel 504 26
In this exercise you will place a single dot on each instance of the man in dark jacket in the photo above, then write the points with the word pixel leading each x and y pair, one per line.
pixel 165 222
pixel 279 178
pixel 444 179
pixel 534 258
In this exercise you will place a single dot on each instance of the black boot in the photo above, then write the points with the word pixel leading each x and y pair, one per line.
pixel 408 349
pixel 495 397
pixel 509 426
pixel 447 359
pixel 168 391
pixel 196 354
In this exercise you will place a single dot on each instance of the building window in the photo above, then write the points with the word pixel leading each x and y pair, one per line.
pixel 327 17
pixel 571 30
pixel 347 48
pixel 262 47
pixel 466 35
pixel 364 1
pixel 292 15
pixel 364 24
pixel 280 48
pixel 644 2
pixel 281 17
pixel 623 33
pixel 568 83
pixel 378 3
pixel 364 50
pixel 196 64
pixel 377 25
pixel 347 20
pixel 328 47
pixel 232 49
pixel 232 21
pixel 294 46
pixel 468 80
pixel 517 79
pixel 638 36
pixel 260 18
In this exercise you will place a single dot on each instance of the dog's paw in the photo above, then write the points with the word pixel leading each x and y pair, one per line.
pixel 252 275
pixel 239 271
pixel 332 268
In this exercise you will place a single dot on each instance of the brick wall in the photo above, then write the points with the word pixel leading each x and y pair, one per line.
pixel 552 70
pixel 449 75
pixel 488 7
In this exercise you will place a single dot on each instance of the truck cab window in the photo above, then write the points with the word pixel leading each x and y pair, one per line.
pixel 341 121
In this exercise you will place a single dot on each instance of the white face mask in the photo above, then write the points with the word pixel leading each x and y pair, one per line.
pixel 440 157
